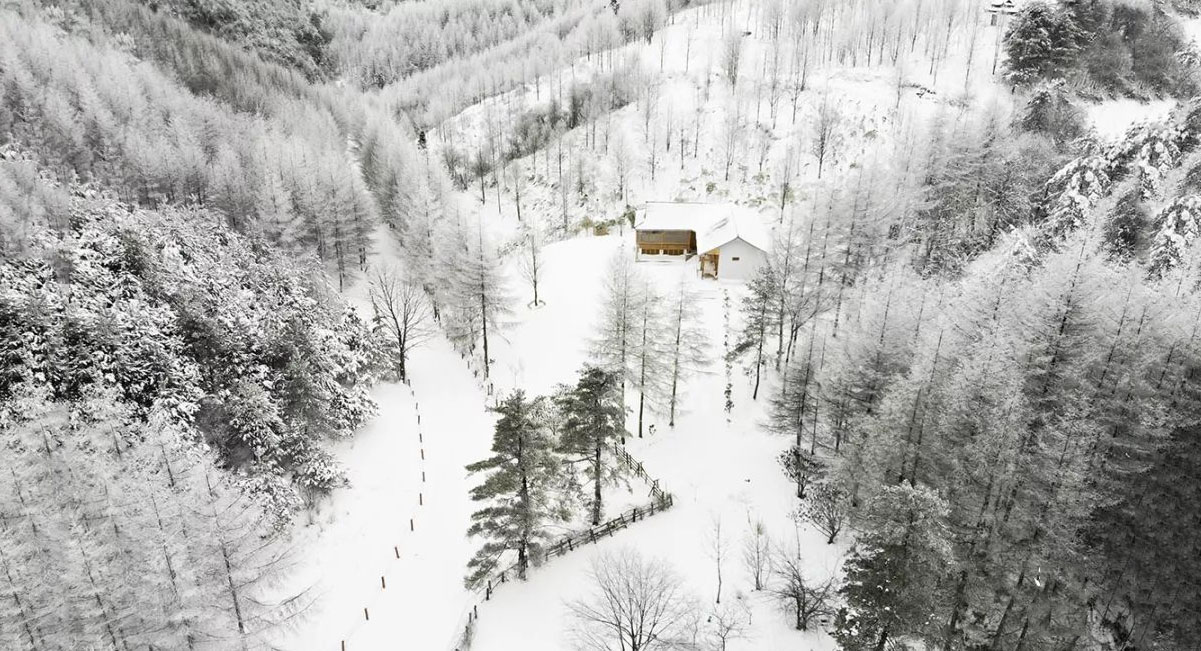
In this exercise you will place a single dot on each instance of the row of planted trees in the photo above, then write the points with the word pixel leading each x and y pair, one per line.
pixel 546 450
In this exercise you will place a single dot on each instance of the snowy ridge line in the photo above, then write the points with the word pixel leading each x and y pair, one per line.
pixel 383 583
pixel 660 501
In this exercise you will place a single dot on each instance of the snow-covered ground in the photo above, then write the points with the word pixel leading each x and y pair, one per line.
pixel 717 465
pixel 409 463
pixel 356 535
pixel 1112 118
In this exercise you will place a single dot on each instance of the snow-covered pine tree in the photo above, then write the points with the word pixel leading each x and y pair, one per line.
pixel 480 291
pixel 614 347
pixel 758 316
pixel 794 407
pixel 1150 151
pixel 124 533
pixel 1176 230
pixel 519 491
pixel 789 295
pixel 687 344
pixel 1073 192
pixel 593 419
pixel 1042 43
pixel 892 587
pixel 452 254
pixel 650 352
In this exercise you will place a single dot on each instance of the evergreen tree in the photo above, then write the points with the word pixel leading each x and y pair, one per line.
pixel 1042 42
pixel 650 353
pixel 480 292
pixel 520 489
pixel 593 420
pixel 895 569
pixel 687 343
pixel 120 533
pixel 616 343
pixel 758 318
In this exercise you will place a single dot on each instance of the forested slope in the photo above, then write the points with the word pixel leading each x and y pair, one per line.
pixel 1014 442
pixel 164 379
pixel 114 92
pixel 176 217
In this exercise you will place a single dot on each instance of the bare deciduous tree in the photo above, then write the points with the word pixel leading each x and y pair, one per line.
pixel 756 552
pixel 517 175
pixel 621 162
pixel 731 56
pixel 827 123
pixel 402 311
pixel 728 622
pixel 531 260
pixel 799 597
pixel 688 343
pixel 731 135
pixel 637 604
pixel 784 172
pixel 717 551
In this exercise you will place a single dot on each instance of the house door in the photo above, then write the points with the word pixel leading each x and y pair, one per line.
pixel 709 265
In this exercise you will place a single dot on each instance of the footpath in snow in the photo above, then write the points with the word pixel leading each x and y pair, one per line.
pixel 409 463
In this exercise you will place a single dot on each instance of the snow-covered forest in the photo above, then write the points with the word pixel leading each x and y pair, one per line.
pixel 638 325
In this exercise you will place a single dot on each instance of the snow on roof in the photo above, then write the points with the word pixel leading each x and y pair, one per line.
pixel 715 224
pixel 676 216
pixel 738 223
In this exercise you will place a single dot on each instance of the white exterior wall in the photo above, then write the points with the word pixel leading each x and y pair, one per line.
pixel 744 268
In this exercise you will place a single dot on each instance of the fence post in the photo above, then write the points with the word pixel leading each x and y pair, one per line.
pixel 366 615
pixel 383 585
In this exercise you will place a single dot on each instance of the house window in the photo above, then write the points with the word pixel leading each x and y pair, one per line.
pixel 734 259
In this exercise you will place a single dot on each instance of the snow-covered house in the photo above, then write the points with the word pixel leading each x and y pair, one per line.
pixel 729 239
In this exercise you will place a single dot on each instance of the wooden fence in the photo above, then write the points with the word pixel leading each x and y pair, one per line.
pixel 660 501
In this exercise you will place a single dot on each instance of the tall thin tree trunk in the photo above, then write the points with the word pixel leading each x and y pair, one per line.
pixel 598 469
